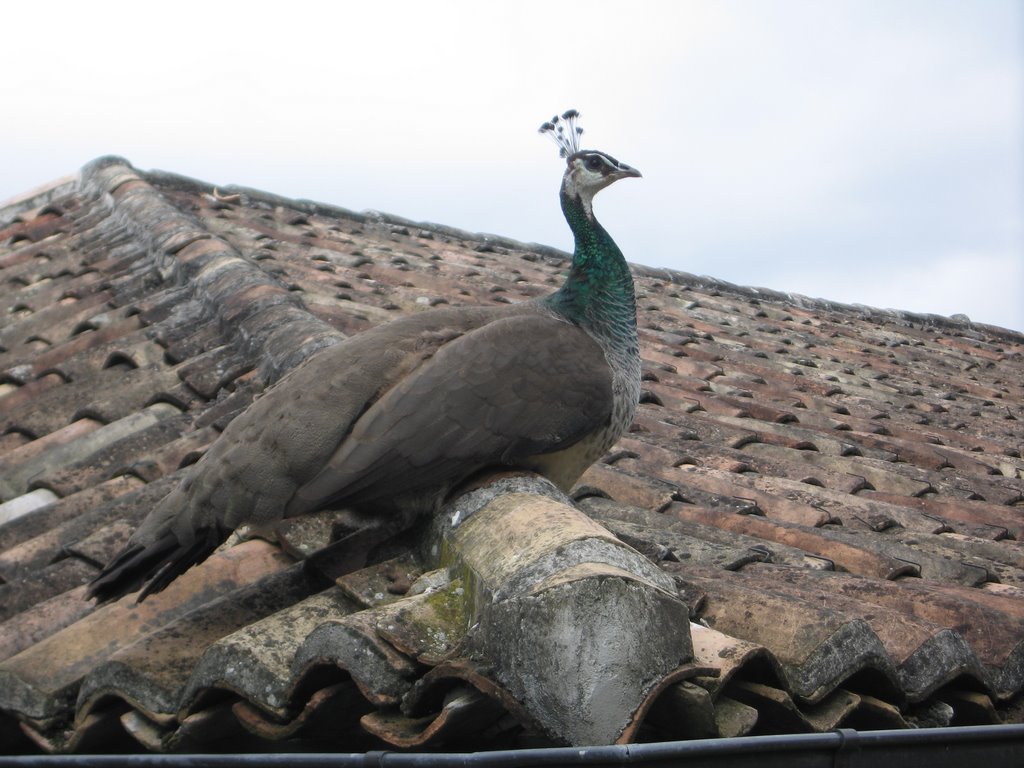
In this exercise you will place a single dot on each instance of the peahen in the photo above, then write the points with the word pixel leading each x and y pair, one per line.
pixel 389 421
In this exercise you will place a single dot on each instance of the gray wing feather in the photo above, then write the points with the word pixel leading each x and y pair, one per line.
pixel 521 386
pixel 414 405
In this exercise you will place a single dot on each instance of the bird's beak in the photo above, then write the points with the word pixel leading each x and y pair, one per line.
pixel 624 172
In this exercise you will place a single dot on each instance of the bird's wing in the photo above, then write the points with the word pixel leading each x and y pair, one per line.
pixel 517 387
pixel 284 438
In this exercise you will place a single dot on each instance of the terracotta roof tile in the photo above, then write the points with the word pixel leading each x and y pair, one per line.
pixel 49 539
pixel 40 519
pixel 30 459
pixel 812 523
pixel 166 670
pixel 40 681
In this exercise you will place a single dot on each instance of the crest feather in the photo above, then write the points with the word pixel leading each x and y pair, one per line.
pixel 564 131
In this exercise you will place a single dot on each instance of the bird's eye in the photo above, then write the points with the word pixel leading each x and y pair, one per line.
pixel 593 163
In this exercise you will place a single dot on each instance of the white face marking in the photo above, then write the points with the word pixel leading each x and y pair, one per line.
pixel 591 171
pixel 585 182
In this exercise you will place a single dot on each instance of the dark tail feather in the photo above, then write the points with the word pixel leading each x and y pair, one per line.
pixel 207 540
pixel 156 565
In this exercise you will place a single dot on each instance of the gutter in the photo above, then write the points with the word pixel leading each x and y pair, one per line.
pixel 993 746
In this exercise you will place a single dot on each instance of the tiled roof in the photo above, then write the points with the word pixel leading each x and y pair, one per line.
pixel 814 521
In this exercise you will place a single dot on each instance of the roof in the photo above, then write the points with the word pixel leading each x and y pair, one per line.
pixel 814 521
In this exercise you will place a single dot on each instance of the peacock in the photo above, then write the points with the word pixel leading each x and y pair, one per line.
pixel 391 420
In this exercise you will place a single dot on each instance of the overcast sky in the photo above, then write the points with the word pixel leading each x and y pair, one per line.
pixel 868 152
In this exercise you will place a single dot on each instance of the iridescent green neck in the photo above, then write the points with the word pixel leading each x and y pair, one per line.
pixel 598 293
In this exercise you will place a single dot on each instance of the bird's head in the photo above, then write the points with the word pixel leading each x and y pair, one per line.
pixel 588 171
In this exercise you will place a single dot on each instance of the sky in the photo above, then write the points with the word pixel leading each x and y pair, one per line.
pixel 862 151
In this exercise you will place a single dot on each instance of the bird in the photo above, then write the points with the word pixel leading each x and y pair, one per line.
pixel 389 421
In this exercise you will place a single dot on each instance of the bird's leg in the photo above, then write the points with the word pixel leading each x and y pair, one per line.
pixel 247 532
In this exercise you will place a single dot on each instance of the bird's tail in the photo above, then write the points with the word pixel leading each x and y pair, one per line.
pixel 154 565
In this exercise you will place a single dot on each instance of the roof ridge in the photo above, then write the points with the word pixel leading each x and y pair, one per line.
pixel 960 323
pixel 228 286
pixel 37 197
pixel 367 216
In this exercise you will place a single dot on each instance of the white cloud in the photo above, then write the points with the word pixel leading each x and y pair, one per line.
pixel 774 138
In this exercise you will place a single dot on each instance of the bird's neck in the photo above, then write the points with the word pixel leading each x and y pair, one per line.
pixel 598 293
